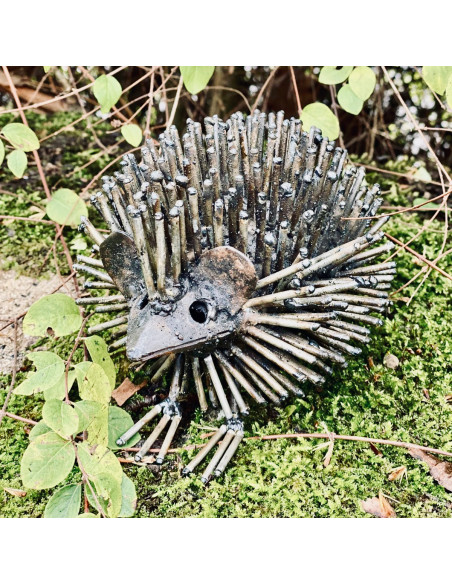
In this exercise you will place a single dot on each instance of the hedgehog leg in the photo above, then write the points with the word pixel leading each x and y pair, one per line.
pixel 171 414
pixel 232 434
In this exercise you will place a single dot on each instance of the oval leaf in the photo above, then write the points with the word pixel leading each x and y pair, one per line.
pixel 2 152
pixel 49 369
pixel 362 82
pixel 65 503
pixel 93 382
pixel 349 101
pixel 17 162
pixel 107 91
pixel 58 391
pixel 104 469
pixel 47 461
pixel 334 75
pixel 57 312
pixel 98 352
pixel 196 78
pixel 38 430
pixel 129 497
pixel 99 461
pixel 61 417
pixel 66 207
pixel 132 134
pixel 119 421
pixel 21 137
pixel 319 115
pixel 93 417
pixel 437 78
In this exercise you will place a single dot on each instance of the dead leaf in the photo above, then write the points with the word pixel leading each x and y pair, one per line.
pixel 440 471
pixel 38 213
pixel 448 398
pixel 370 361
pixel 329 454
pixel 15 492
pixel 398 473
pixel 390 361
pixel 378 506
pixel 375 450
pixel 122 393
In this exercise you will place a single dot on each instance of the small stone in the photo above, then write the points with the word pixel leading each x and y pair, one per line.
pixel 390 361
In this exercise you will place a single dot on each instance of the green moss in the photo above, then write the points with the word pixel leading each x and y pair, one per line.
pixel 286 478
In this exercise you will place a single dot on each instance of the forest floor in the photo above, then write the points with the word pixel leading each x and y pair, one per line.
pixel 268 478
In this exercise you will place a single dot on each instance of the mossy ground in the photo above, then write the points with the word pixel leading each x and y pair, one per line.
pixel 283 478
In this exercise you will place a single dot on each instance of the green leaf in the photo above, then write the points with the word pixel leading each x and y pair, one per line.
pixel 118 422
pixel 334 75
pixel 349 101
pixel 17 162
pixel 104 470
pixel 107 91
pixel 93 417
pixel 319 115
pixel 49 368
pixel 422 174
pixel 93 382
pixel 98 351
pixel 78 243
pixel 47 461
pixel 56 312
pixel 87 516
pixel 132 134
pixel 46 68
pixel 129 497
pixel 58 391
pixel 196 78
pixel 65 503
pixel 61 417
pixel 38 430
pixel 99 461
pixel 2 152
pixel 21 137
pixel 66 207
pixel 449 92
pixel 427 206
pixel 437 78
pixel 362 82
pixel 86 411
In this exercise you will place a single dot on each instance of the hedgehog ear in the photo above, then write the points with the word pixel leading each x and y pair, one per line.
pixel 120 258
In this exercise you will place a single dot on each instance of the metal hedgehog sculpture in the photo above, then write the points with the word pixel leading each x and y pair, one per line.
pixel 237 269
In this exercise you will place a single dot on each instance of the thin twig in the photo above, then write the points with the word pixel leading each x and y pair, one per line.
pixel 151 103
pixel 315 435
pixel 297 95
pixel 419 256
pixel 24 120
pixel 263 88
pixel 176 102
pixel 14 218
pixel 59 97
pixel 20 419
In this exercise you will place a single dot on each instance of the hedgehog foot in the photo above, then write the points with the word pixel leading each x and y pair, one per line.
pixel 230 434
pixel 171 414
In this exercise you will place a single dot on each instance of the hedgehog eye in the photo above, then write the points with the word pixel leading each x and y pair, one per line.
pixel 199 311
